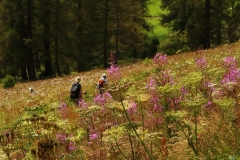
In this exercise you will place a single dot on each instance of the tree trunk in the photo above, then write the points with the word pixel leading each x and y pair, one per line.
pixel 30 61
pixel 80 55
pixel 47 54
pixel 135 43
pixel 56 41
pixel 23 71
pixel 219 21
pixel 117 33
pixel 206 36
pixel 105 44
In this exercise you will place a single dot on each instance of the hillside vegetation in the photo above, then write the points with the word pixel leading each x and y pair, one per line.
pixel 154 20
pixel 184 106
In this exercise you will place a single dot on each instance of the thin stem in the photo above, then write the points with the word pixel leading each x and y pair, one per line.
pixel 195 131
pixel 120 150
pixel 142 117
pixel 133 157
pixel 142 142
pixel 219 127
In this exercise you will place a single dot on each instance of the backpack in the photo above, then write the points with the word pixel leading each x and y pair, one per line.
pixel 74 92
pixel 100 82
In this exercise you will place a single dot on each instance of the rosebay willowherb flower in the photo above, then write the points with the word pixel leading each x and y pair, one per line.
pixel 63 109
pixel 233 73
pixel 93 136
pixel 102 99
pixel 82 104
pixel 112 59
pixel 151 84
pixel 114 73
pixel 160 59
pixel 151 87
pixel 72 146
pixel 201 63
pixel 132 109
pixel 230 62
pixel 61 137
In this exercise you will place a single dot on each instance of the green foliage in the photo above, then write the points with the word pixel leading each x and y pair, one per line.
pixel 169 89
pixel 8 82
pixel 114 134
pixel 192 79
pixel 29 156
pixel 140 76
pixel 175 42
pixel 194 102
pixel 147 61
pixel 176 116
pixel 226 104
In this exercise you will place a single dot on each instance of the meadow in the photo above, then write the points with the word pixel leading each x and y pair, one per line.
pixel 184 106
pixel 154 20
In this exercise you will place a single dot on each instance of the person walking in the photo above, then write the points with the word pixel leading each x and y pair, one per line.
pixel 101 83
pixel 76 90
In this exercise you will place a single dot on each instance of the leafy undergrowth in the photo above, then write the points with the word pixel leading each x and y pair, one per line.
pixel 184 106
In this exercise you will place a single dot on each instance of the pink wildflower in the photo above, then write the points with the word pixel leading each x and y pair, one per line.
pixel 61 137
pixel 230 62
pixel 63 109
pixel 82 104
pixel 160 59
pixel 151 84
pixel 233 75
pixel 114 73
pixel 132 109
pixel 72 146
pixel 201 63
pixel 102 99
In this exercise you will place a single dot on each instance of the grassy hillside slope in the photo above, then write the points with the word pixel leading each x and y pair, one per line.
pixel 184 106
pixel 154 19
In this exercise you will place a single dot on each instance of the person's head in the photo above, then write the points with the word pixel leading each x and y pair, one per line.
pixel 78 79
pixel 104 76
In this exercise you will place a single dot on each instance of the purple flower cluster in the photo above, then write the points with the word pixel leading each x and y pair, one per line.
pixel 166 78
pixel 201 63
pixel 93 135
pixel 63 110
pixel 102 99
pixel 160 59
pixel 230 62
pixel 132 109
pixel 151 84
pixel 61 137
pixel 72 146
pixel 112 59
pixel 233 73
pixel 114 73
pixel 82 104
pixel 151 87
pixel 208 105
pixel 157 107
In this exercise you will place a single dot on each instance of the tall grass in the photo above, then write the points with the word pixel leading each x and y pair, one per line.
pixel 184 106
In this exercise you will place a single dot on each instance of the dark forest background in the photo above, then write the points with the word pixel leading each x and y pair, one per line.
pixel 48 38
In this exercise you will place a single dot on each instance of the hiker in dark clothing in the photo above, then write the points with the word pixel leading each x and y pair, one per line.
pixel 76 90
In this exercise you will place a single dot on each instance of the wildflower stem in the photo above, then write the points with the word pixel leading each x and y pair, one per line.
pixel 130 122
pixel 120 149
pixel 133 157
pixel 142 117
pixel 215 136
pixel 195 131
